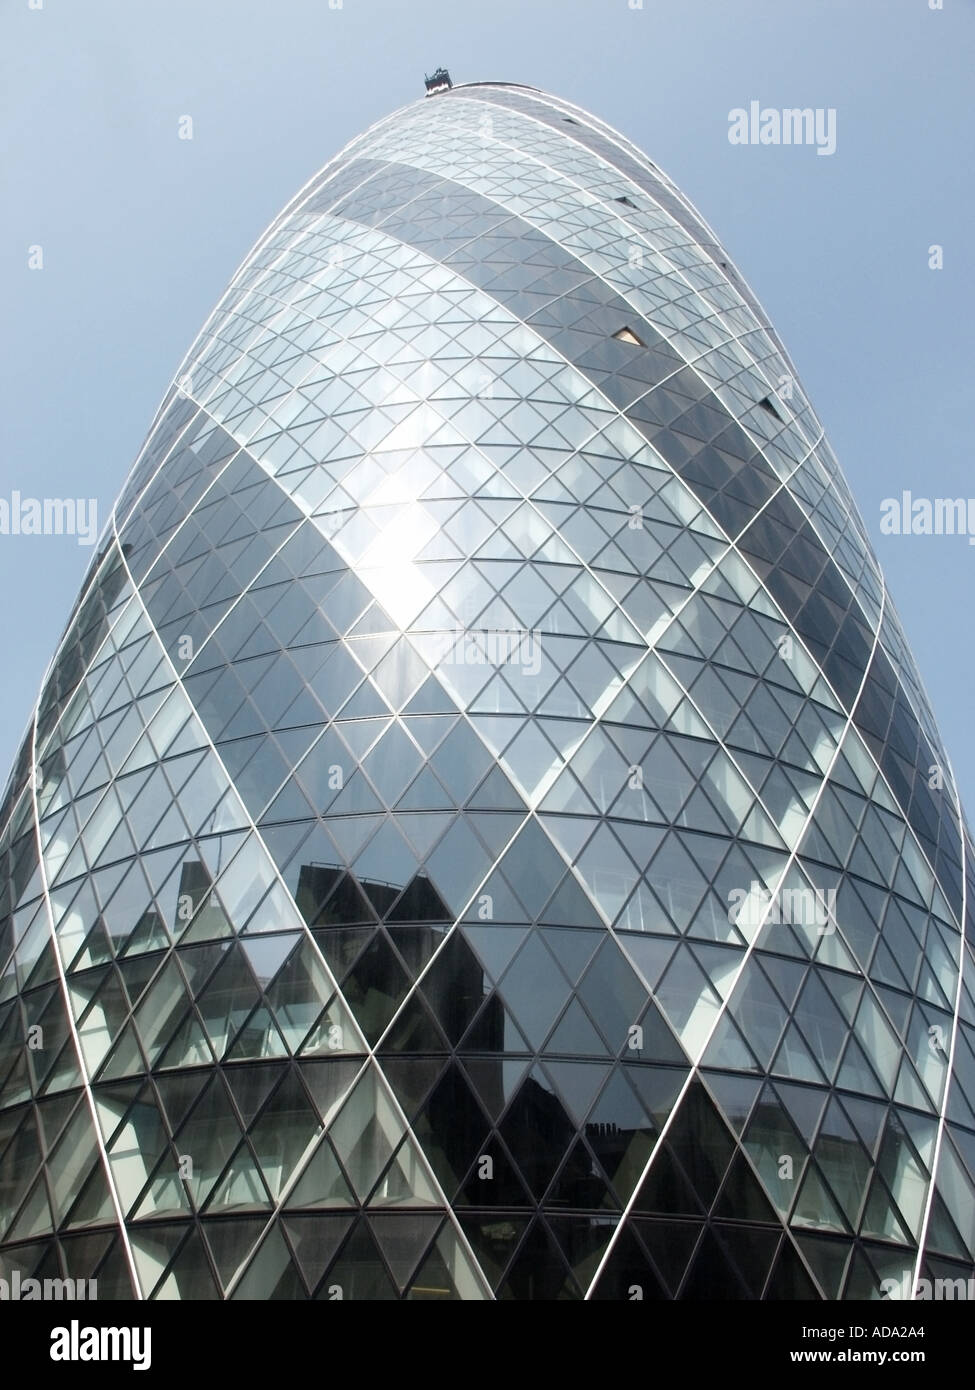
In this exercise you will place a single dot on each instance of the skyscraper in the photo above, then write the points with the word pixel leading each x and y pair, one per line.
pixel 482 832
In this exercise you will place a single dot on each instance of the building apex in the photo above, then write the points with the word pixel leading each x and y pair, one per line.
pixel 439 82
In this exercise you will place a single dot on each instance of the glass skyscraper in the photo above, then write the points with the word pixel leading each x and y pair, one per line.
pixel 482 833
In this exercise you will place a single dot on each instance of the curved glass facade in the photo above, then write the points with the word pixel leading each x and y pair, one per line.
pixel 482 833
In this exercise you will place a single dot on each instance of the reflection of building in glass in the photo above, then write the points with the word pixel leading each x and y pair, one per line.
pixel 335 965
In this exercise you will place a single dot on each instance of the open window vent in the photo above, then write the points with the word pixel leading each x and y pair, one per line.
pixel 626 335
pixel 767 404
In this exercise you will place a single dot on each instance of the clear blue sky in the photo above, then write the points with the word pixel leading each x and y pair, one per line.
pixel 141 231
